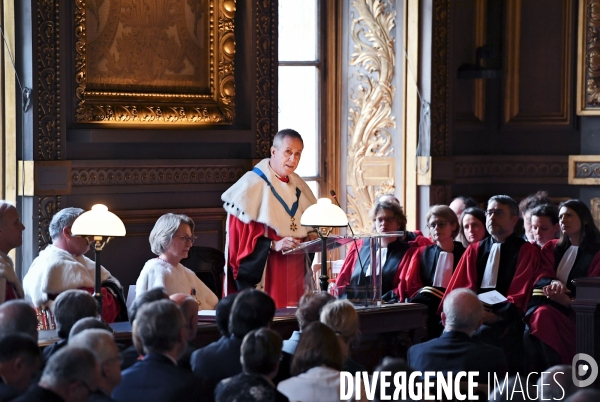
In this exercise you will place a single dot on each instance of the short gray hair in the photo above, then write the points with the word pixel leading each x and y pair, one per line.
pixel 283 134
pixel 158 325
pixel 17 316
pixel 164 229
pixel 63 219
pixel 70 306
pixel 463 310
pixel 69 364
pixel 97 341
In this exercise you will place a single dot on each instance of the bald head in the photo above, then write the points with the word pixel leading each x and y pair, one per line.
pixel 11 228
pixel 17 316
pixel 189 307
pixel 462 311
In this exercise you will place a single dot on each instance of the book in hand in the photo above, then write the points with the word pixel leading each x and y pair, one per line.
pixel 492 298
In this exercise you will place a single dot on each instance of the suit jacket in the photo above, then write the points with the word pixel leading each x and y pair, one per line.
pixel 156 378
pixel 455 351
pixel 37 393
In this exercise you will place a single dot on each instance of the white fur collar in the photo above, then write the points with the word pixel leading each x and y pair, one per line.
pixel 56 270
pixel 251 199
pixel 7 271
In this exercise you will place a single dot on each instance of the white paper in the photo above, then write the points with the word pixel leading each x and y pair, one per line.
pixel 207 313
pixel 492 297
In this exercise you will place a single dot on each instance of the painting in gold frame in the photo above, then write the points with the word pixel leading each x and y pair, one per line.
pixel 588 58
pixel 155 61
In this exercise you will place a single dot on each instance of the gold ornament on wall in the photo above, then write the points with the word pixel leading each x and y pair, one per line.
pixel 371 164
pixel 155 61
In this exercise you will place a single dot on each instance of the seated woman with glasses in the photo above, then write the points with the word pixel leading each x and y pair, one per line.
pixel 355 274
pixel 425 274
pixel 171 239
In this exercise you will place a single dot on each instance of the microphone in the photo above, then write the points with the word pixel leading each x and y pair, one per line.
pixel 362 269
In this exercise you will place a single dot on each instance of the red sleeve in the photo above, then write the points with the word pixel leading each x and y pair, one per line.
pixel 410 273
pixel 110 305
pixel 594 269
pixel 242 240
pixel 465 274
pixel 421 240
pixel 343 278
pixel 528 265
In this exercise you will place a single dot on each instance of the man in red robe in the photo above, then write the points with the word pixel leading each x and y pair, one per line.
pixel 263 219
pixel 507 264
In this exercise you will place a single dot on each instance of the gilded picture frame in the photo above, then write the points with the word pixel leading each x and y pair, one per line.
pixel 154 61
pixel 588 58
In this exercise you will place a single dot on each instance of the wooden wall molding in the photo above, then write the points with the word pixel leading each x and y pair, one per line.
pixel 588 70
pixel 500 169
pixel 47 207
pixel 439 78
pixel 535 114
pixel 266 76
pixel 584 170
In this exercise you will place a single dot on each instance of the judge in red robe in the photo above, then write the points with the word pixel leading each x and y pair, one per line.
pixel 355 273
pixel 263 219
pixel 424 276
pixel 550 319
pixel 507 264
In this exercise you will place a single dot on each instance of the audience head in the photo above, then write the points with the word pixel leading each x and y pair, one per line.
pixel 20 359
pixel 460 203
pixel 286 152
pixel 160 327
pixel 252 309
pixel 71 306
pixel 585 395
pixel 11 228
pixel 189 308
pixel 558 384
pixel 387 217
pixel 60 232
pixel 462 311
pixel 472 226
pixel 577 226
pixel 101 343
pixel 342 317
pixel 154 294
pixel 222 313
pixel 526 205
pixel 387 198
pixel 172 233
pixel 502 215
pixel 442 223
pixel 72 373
pixel 17 316
pixel 318 346
pixel 261 351
pixel 88 323
pixel 391 365
pixel 544 223
pixel 310 306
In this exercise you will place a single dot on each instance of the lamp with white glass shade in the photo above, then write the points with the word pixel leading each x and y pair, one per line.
pixel 323 217
pixel 102 225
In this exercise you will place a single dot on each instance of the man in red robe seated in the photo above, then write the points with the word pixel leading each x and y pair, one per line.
pixel 62 266
pixel 11 230
pixel 507 264
pixel 263 219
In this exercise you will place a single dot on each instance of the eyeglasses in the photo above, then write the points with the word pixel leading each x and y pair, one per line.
pixel 497 212
pixel 187 239
pixel 439 224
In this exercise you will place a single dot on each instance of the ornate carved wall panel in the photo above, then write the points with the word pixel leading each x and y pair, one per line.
pixel 154 62
pixel 588 66
pixel 439 78
pixel 48 80
pixel 371 95
pixel 47 207
pixel 534 93
pixel 584 170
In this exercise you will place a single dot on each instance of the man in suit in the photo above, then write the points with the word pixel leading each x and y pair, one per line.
pixel 20 359
pixel 17 316
pixel 455 351
pixel 160 327
pixel 252 309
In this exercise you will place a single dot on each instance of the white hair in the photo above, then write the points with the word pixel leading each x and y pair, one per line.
pixel 164 229
pixel 463 310
pixel 63 219
pixel 98 341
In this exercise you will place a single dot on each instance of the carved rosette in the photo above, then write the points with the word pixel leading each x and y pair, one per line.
pixel 371 114
pixel 48 80
pixel 47 207
pixel 216 107
pixel 266 63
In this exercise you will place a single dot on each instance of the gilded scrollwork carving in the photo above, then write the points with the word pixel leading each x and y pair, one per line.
pixel 587 170
pixel 48 80
pixel 588 76
pixel 371 115
pixel 47 207
pixel 439 78
pixel 156 62
pixel 266 104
